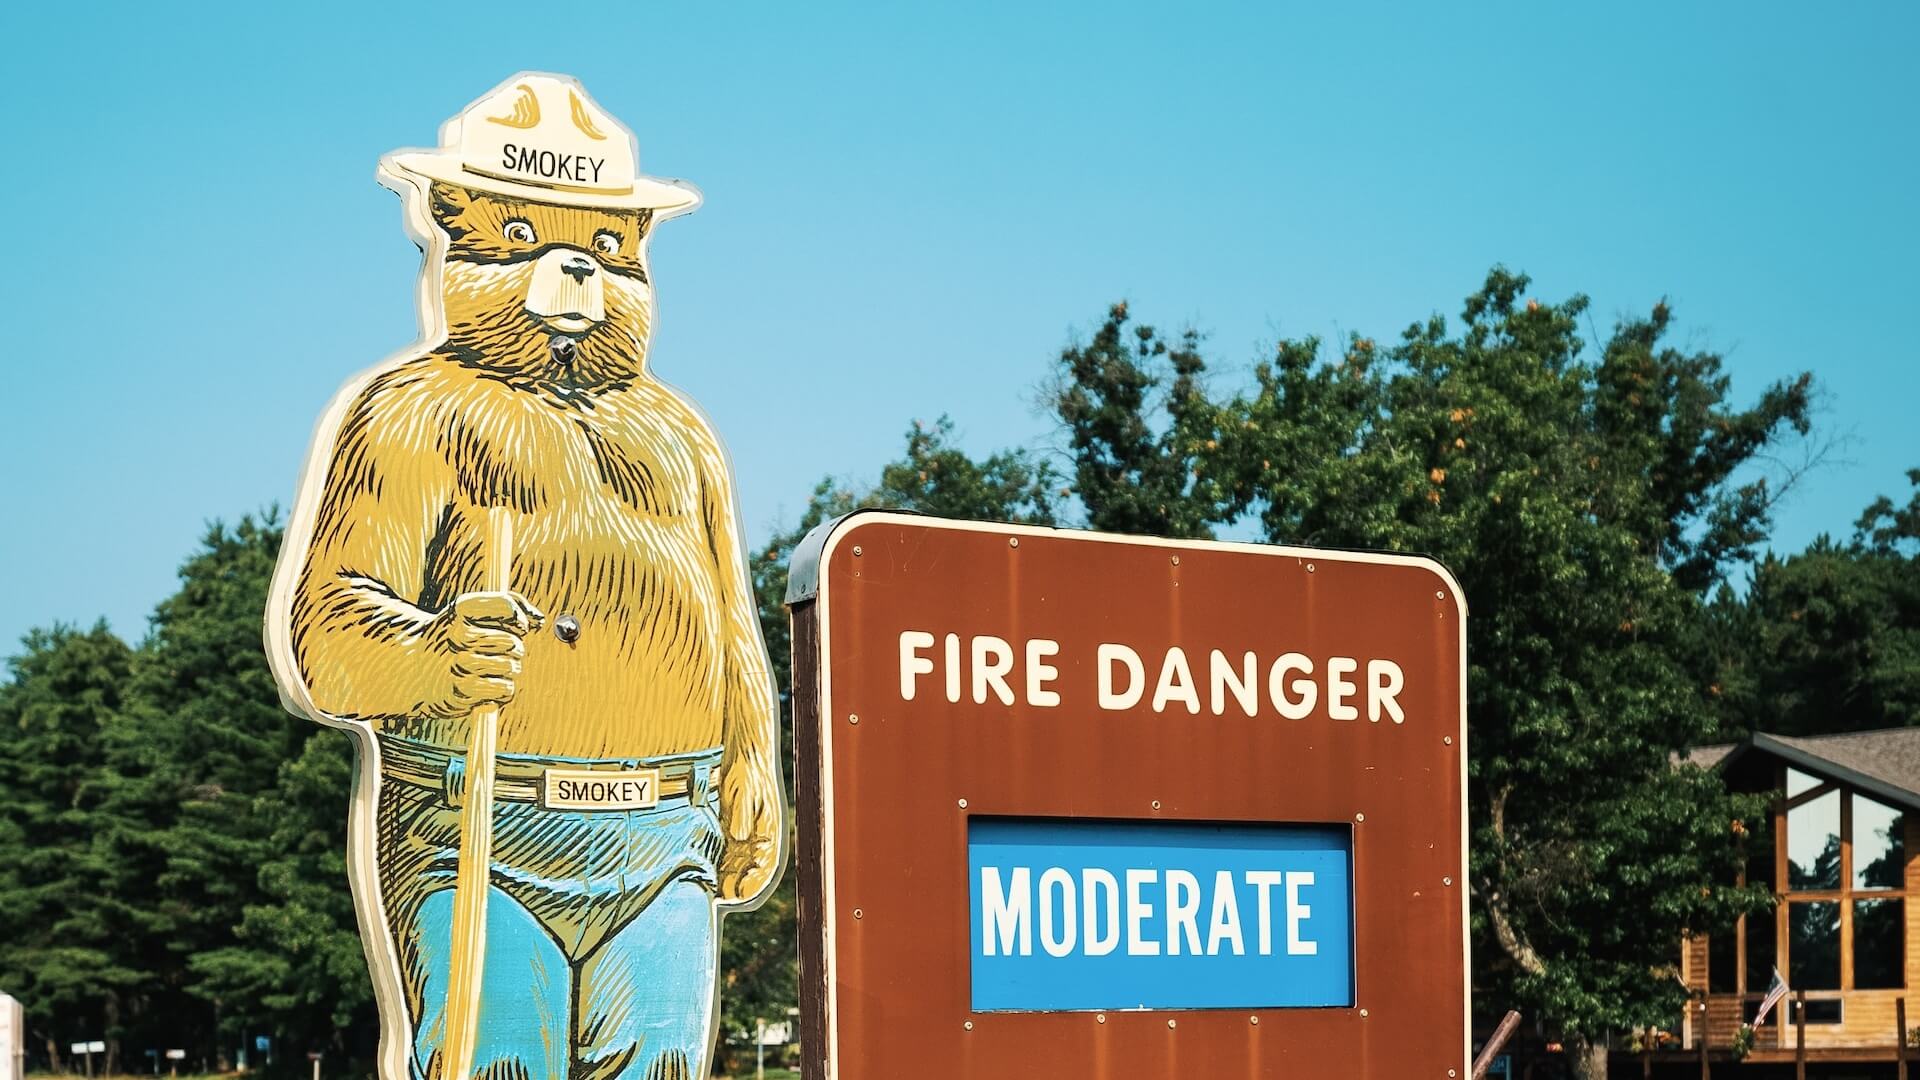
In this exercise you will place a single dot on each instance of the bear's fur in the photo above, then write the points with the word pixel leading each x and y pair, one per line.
pixel 538 401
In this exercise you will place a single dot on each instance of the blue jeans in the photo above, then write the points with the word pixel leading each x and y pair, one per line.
pixel 601 931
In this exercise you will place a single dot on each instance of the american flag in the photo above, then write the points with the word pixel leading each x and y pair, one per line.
pixel 1777 990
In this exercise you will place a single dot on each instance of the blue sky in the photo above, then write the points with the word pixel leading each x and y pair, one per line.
pixel 910 208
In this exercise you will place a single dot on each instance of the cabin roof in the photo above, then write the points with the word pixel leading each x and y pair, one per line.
pixel 1884 763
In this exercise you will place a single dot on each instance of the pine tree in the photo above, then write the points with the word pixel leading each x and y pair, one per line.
pixel 1827 639
pixel 295 959
pixel 202 739
pixel 63 956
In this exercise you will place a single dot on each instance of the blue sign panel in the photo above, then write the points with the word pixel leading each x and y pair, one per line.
pixel 1120 915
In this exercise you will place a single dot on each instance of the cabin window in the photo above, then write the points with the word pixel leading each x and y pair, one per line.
pixel 1836 858
pixel 1826 1011
pixel 1760 953
pixel 1813 835
pixel 1814 945
pixel 1879 943
pixel 1723 958
pixel 1879 845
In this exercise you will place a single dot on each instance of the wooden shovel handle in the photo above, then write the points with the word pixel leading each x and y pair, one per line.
pixel 475 859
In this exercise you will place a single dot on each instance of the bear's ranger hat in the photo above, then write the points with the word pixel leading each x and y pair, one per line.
pixel 541 138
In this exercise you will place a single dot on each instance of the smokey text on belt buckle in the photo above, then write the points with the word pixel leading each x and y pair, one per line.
pixel 590 789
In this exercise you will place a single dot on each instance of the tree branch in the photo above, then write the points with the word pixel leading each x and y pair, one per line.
pixel 1510 939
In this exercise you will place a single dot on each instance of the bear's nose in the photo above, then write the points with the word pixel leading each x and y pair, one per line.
pixel 579 268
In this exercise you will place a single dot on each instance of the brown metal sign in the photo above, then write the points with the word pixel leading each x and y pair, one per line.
pixel 1073 804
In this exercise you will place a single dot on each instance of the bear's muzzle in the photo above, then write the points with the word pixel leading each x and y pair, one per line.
pixel 567 291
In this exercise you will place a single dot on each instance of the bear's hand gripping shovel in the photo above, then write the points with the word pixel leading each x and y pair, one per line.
pixel 475 859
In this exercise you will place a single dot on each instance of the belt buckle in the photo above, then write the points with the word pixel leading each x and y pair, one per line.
pixel 600 789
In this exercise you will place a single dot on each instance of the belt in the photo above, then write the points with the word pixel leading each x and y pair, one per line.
pixel 526 781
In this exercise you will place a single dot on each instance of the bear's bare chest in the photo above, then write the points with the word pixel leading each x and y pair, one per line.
pixel 592 467
pixel 608 505
pixel 597 489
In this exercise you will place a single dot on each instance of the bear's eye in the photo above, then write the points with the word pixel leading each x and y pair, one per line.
pixel 520 232
pixel 606 242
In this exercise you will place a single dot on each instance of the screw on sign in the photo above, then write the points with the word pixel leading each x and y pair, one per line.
pixel 1104 820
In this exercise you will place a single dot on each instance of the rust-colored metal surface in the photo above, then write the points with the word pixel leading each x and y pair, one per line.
pixel 886 786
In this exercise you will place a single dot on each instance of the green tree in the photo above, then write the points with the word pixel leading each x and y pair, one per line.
pixel 1128 476
pixel 1585 505
pixel 295 957
pixel 1828 639
pixel 63 955
pixel 934 477
pixel 202 738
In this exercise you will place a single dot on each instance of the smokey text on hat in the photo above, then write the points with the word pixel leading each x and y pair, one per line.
pixel 551 165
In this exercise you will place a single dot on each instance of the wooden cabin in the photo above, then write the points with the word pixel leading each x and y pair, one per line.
pixel 1842 853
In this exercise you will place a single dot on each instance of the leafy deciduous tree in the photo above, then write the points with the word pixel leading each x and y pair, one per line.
pixel 1584 504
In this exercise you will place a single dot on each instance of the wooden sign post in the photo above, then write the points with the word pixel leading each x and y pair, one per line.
pixel 1086 805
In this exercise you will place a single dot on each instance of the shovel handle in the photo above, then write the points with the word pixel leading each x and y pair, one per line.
pixel 475 859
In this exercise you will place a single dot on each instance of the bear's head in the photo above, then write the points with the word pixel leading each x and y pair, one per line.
pixel 556 295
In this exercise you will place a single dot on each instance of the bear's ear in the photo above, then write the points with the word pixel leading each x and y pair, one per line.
pixel 450 204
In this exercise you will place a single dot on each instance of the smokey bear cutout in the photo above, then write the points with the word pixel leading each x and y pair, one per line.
pixel 514 571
